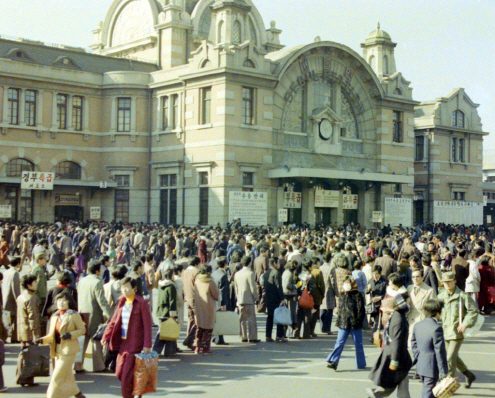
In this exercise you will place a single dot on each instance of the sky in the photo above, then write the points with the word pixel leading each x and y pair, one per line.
pixel 441 44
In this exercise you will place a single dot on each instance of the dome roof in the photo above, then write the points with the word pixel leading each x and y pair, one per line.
pixel 378 34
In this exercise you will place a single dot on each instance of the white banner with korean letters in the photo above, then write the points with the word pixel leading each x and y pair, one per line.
pixel 324 198
pixel 37 180
pixel 5 211
pixel 292 200
pixel 250 207
pixel 452 212
pixel 95 213
pixel 398 211
pixel 350 202
pixel 377 216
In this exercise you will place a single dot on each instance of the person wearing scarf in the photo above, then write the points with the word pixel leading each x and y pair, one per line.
pixel 350 322
pixel 391 370
pixel 63 280
pixel 66 326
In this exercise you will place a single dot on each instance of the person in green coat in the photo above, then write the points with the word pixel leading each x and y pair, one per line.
pixel 453 329
pixel 166 308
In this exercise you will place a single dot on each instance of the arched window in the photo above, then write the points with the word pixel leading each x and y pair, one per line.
pixel 236 32
pixel 221 32
pixel 398 91
pixel 15 167
pixel 372 62
pixel 458 119
pixel 68 171
pixel 385 65
pixel 249 64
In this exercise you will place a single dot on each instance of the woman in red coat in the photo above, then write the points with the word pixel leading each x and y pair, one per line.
pixel 4 252
pixel 129 333
pixel 203 251
pixel 487 280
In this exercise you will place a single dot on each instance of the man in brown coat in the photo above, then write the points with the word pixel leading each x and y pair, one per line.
pixel 28 320
pixel 388 264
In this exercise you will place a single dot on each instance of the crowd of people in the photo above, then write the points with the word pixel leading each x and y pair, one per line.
pixel 419 288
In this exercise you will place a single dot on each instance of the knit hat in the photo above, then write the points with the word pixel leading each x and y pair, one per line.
pixel 448 277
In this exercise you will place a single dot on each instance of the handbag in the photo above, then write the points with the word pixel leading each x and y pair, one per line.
pixel 169 330
pixel 35 362
pixel 99 332
pixel 145 373
pixel 378 336
pixel 470 332
pixel 282 316
pixel 306 301
pixel 446 387
pixel 226 324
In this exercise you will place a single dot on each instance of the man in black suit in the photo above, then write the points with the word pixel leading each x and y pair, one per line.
pixel 428 345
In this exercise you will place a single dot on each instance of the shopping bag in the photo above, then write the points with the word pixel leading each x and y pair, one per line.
pixel 491 294
pixel 169 330
pixel 79 355
pixel 226 324
pixel 7 322
pixel 145 373
pixel 282 316
pixel 446 387
pixel 35 362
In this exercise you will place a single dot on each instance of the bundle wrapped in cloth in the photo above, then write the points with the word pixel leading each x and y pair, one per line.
pixel 446 387
pixel 145 373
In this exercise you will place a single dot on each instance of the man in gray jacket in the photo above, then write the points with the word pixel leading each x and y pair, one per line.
pixel 91 300
pixel 247 295
pixel 428 346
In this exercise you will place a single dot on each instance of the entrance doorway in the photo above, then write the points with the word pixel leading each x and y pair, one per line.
pixel 73 213
pixel 323 216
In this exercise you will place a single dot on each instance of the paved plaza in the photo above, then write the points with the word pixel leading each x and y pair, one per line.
pixel 294 369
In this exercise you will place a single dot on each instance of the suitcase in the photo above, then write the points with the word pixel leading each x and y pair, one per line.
pixel 227 324
pixel 34 362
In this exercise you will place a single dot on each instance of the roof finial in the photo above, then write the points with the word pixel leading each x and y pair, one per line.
pixel 378 25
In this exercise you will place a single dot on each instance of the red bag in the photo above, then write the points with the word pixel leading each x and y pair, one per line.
pixel 491 294
pixel 145 376
pixel 119 256
pixel 306 301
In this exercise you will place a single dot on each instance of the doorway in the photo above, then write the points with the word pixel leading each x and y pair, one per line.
pixel 72 213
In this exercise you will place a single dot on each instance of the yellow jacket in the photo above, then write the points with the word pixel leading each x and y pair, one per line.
pixel 72 323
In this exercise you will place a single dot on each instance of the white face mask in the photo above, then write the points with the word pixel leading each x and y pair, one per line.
pixel 347 287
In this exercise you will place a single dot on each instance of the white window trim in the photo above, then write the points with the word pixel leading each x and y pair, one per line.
pixel 458 150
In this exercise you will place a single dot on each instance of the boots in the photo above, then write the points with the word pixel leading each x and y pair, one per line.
pixel 470 377
pixel 80 395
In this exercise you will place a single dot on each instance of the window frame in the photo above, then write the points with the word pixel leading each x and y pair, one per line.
pixel 206 97
pixel 249 106
pixel 123 180
pixel 122 205
pixel 30 108
pixel 420 148
pixel 124 114
pixel 165 106
pixel 13 107
pixel 68 170
pixel 21 164
pixel 175 112
pixel 203 178
pixel 204 204
pixel 78 113
pixel 62 110
pixel 398 127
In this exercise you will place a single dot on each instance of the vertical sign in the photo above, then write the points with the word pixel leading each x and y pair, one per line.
pixel 95 213
pixel 5 211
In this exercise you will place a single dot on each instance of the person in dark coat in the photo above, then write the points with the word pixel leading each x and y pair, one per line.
pixel 159 251
pixel 428 345
pixel 64 281
pixel 350 322
pixel 377 287
pixel 221 278
pixel 274 296
pixel 391 370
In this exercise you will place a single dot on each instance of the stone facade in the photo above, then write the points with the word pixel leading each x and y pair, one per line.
pixel 184 102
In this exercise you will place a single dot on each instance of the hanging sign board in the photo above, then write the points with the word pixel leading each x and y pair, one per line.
pixel 457 212
pixel 398 211
pixel 66 200
pixel 250 207
pixel 95 213
pixel 37 180
pixel 283 215
pixel 350 202
pixel 324 198
pixel 5 211
pixel 377 216
pixel 292 200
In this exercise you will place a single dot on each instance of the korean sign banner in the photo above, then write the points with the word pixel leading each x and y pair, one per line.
pixel 37 180
pixel 5 211
pixel 95 213
pixel 250 207
pixel 292 200
pixel 350 202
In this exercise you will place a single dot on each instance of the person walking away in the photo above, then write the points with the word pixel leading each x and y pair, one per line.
pixel 221 278
pixel 66 326
pixel 129 332
pixel 28 321
pixel 350 322
pixel 246 292
pixel 290 293
pixel 474 278
pixel 428 345
pixel 188 280
pixel 205 296
pixel 92 301
pixel 329 302
pixel 180 295
pixel 487 280
pixel 391 370
pixel 274 296
pixel 149 274
pixel 455 302
pixel 11 289
pixel 166 308
pixel 319 293
pixel 305 280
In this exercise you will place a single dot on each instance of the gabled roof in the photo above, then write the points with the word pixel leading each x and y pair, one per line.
pixel 46 55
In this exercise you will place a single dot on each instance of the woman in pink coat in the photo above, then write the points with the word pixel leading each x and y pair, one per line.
pixel 487 280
